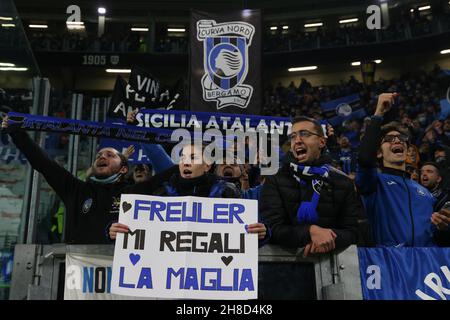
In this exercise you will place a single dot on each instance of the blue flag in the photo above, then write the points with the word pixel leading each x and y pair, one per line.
pixel 342 109
pixel 445 109
pixel 138 157
pixel 390 273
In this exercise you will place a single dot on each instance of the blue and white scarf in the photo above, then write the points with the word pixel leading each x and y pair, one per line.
pixel 307 212
pixel 109 180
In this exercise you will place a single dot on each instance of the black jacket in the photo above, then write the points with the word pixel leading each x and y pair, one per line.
pixel 338 208
pixel 89 205
pixel 150 186
pixel 441 237
pixel 170 183
pixel 208 185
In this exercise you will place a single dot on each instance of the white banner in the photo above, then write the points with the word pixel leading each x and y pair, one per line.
pixel 186 247
pixel 88 277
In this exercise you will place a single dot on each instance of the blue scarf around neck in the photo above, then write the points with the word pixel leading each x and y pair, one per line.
pixel 111 179
pixel 307 212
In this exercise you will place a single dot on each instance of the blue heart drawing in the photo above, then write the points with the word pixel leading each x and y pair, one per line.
pixel 134 258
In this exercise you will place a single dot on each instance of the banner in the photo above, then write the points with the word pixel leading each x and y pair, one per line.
pixel 174 119
pixel 225 65
pixel 143 91
pixel 342 109
pixel 186 247
pixel 87 128
pixel 157 95
pixel 405 273
pixel 88 277
pixel 144 83
pixel 124 99
pixel 152 125
pixel 11 154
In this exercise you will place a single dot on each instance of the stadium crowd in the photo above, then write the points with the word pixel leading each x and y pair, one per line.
pixel 334 186
pixel 417 107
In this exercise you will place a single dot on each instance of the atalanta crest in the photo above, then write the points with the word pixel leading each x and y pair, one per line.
pixel 87 205
pixel 225 61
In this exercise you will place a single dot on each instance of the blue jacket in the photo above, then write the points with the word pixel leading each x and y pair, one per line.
pixel 252 193
pixel 347 160
pixel 398 208
pixel 159 159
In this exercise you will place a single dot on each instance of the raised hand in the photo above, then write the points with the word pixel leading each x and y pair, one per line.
pixel 385 102
pixel 131 116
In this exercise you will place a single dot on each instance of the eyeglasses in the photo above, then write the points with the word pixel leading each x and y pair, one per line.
pixel 302 134
pixel 391 138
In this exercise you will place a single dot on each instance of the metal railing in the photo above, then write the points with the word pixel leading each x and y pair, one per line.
pixel 38 272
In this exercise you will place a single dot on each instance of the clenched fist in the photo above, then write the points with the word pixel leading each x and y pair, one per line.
pixel 385 102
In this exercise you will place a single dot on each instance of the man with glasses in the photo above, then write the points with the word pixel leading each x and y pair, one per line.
pixel 399 209
pixel 308 203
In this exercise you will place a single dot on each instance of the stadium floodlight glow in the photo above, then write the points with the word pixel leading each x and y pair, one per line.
pixel 75 27
pixel 273 28
pixel 118 70
pixel 312 25
pixel 8 25
pixel 101 10
pixel 6 18
pixel 302 68
pixel 424 8
pixel 12 69
pixel 6 64
pixel 176 29
pixel 38 26
pixel 446 51
pixel 139 29
pixel 356 63
pixel 348 20
pixel 378 61
pixel 285 27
